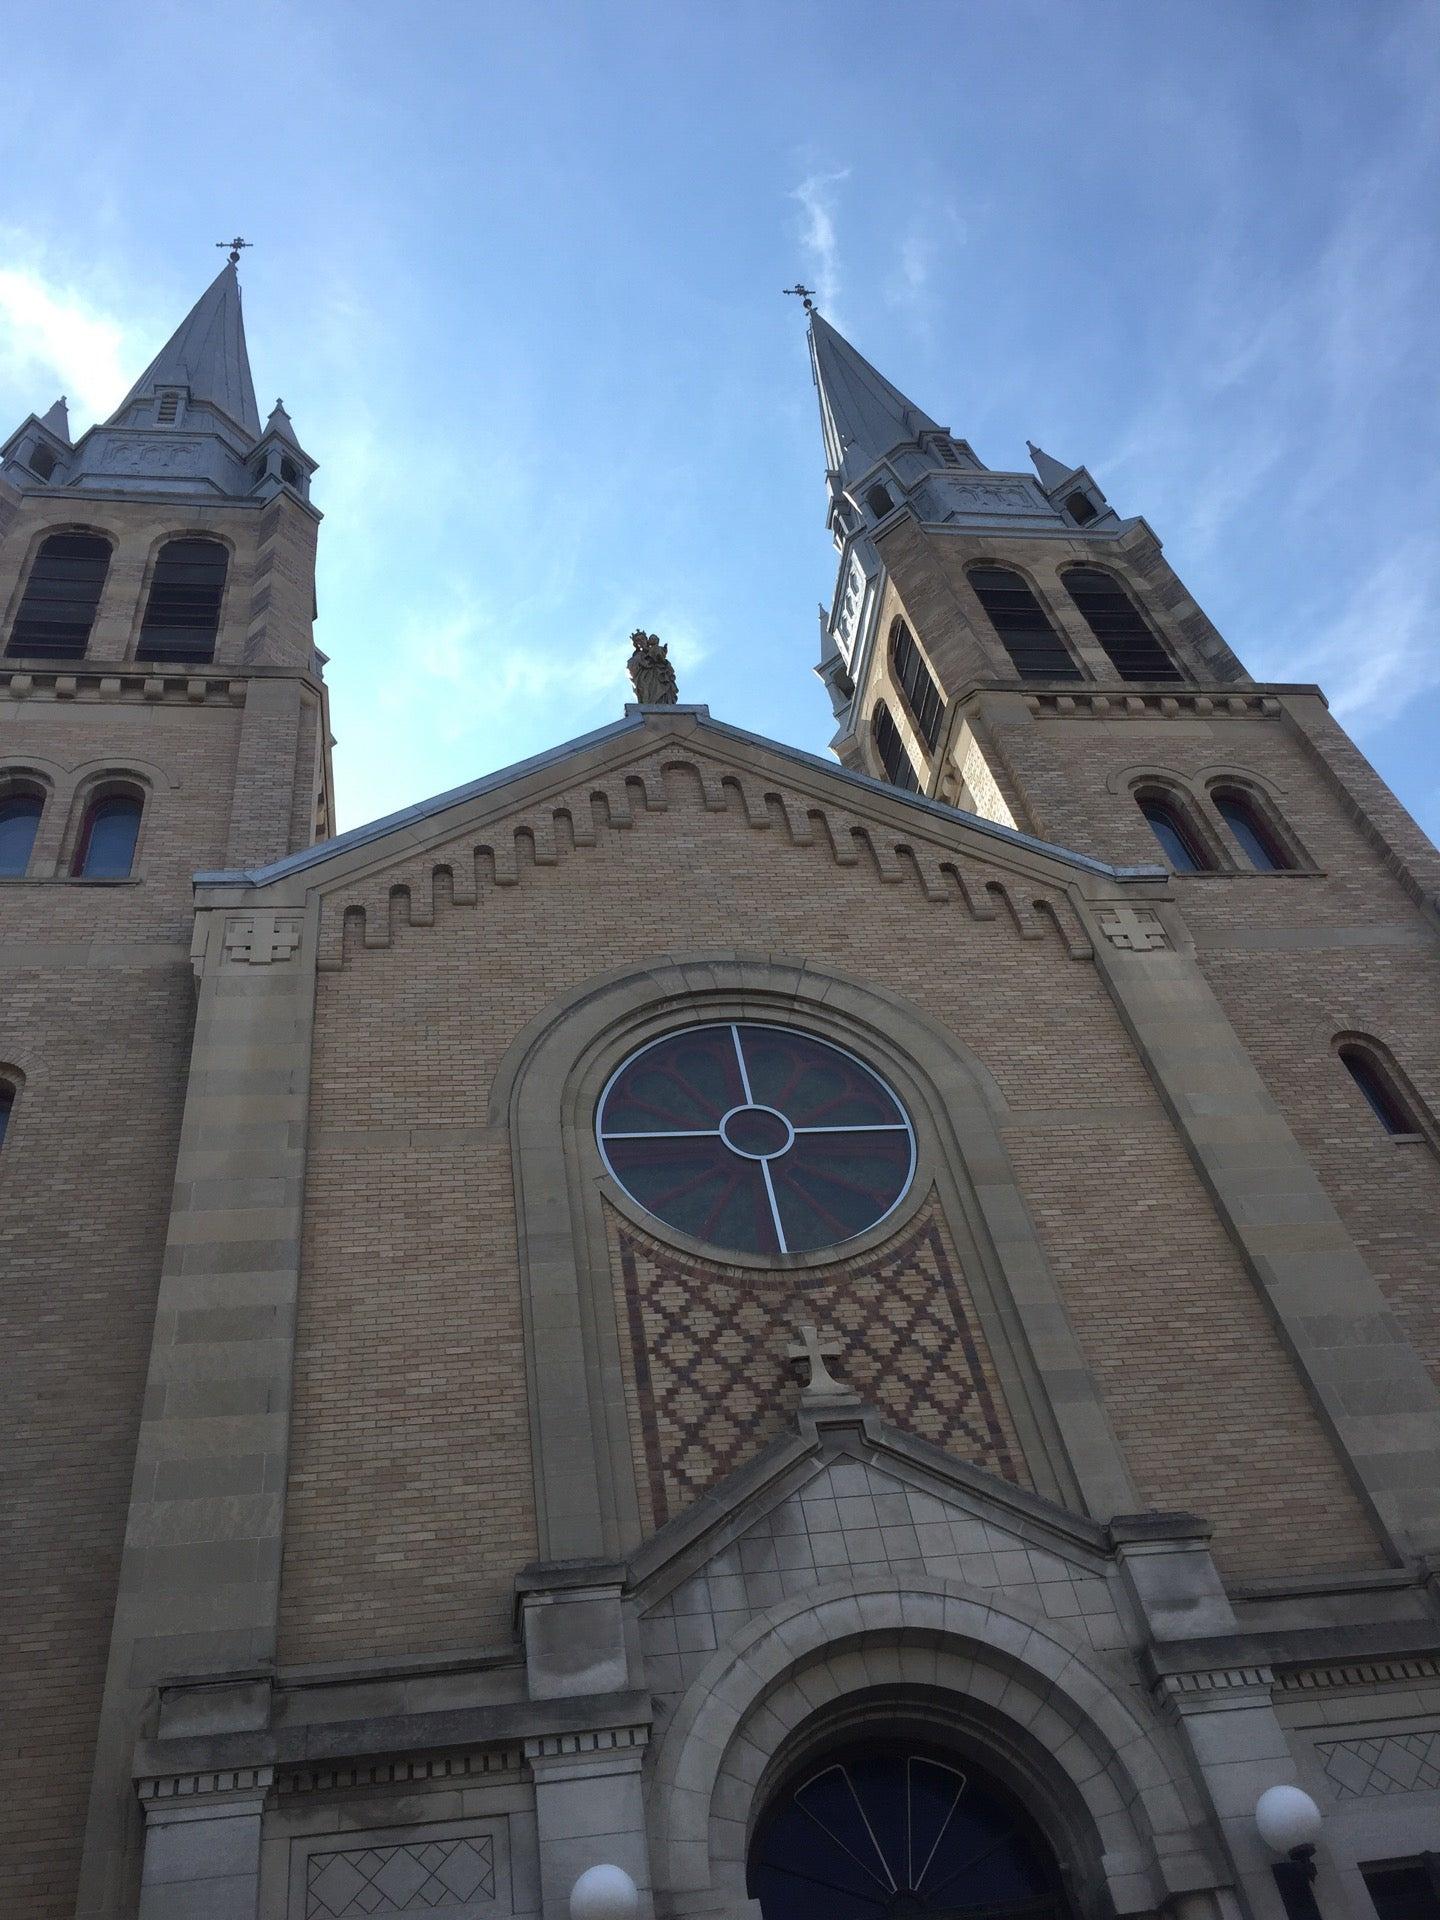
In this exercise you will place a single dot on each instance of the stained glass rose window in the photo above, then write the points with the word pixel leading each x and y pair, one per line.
pixel 755 1138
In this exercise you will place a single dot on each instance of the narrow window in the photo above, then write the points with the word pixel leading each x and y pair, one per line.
pixel 891 749
pixel 106 848
pixel 1181 847
pixel 19 823
pixel 1035 649
pixel 42 462
pixel 1116 623
pixel 1080 508
pixel 879 502
pixel 183 615
pixel 1385 1103
pixel 61 596
pixel 922 696
pixel 948 453
pixel 7 1107
pixel 169 409
pixel 1253 834
pixel 289 473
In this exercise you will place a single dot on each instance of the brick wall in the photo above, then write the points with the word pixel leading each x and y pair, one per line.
pixel 417 1305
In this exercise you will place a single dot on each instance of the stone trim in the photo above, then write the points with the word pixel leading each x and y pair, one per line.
pixel 343 1778
pixel 1117 704
pixel 157 1789
pixel 546 1087
pixel 77 682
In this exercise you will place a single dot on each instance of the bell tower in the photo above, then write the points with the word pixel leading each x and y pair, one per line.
pixel 164 712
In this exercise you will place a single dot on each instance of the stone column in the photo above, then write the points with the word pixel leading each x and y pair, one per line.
pixel 200 1576
pixel 1370 1388
pixel 202 1851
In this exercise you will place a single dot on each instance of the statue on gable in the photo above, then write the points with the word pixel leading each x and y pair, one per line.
pixel 651 673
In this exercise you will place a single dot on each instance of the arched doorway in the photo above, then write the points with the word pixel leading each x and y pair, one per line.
pixel 901 1829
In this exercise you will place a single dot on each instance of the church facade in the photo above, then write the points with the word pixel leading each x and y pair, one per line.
pixel 850 1337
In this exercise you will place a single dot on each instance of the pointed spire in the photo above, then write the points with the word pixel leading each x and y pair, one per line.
pixel 1051 473
pixel 861 415
pixel 281 425
pixel 207 354
pixel 57 420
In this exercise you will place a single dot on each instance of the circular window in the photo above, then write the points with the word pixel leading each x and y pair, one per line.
pixel 757 1139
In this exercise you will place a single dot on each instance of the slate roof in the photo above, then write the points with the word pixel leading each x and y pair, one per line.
pixel 207 354
pixel 861 415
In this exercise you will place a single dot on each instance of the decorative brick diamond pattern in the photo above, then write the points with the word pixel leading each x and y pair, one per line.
pixel 1396 1763
pixel 430 1874
pixel 712 1386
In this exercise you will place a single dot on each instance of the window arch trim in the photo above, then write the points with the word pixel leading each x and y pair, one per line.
pixel 1050 657
pixel 92 793
pixel 1138 654
pixel 1267 824
pixel 60 645
pixel 195 643
pixel 12 1085
pixel 1160 802
pixel 1377 1078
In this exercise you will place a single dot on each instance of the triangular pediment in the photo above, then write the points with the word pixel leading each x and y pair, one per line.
pixel 655 762
pixel 849 1497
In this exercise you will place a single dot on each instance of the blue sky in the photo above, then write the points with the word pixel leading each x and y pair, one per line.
pixel 517 274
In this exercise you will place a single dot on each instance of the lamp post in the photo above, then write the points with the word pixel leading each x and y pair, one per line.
pixel 1289 1823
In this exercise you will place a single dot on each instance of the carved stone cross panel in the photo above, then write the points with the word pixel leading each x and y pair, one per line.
pixel 1133 927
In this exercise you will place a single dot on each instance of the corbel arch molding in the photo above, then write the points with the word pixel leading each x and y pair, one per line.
pixel 1100 1771
pixel 546 1089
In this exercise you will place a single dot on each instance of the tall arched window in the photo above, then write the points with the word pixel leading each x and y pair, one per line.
pixel 912 676
pixel 1252 832
pixel 20 811
pixel 1034 647
pixel 61 595
pixel 183 614
pixel 1179 842
pixel 1118 625
pixel 891 749
pixel 1378 1086
pixel 109 832
pixel 7 1108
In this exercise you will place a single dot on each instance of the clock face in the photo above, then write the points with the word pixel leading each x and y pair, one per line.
pixel 756 1139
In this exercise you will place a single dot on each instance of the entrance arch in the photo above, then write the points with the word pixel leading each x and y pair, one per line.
pixel 935 1661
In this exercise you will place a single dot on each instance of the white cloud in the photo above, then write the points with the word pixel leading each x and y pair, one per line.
pixel 817 196
pixel 52 341
pixel 1378 653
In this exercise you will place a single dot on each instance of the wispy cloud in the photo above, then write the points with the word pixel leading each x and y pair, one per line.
pixel 914 284
pixel 1378 652
pixel 53 340
pixel 818 197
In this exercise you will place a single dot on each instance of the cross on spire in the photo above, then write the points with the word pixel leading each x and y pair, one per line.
pixel 235 245
pixel 806 295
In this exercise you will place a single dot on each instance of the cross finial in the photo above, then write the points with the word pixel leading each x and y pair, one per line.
pixel 235 245
pixel 806 295
pixel 812 1351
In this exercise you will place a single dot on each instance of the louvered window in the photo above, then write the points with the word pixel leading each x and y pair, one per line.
pixel 61 596
pixel 1036 650
pixel 1117 624
pixel 183 616
pixel 168 411
pixel 891 749
pixel 922 696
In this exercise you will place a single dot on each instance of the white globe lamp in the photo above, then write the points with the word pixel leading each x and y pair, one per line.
pixel 1288 1819
pixel 604 1893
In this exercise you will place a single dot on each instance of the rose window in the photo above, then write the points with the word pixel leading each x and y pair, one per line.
pixel 756 1139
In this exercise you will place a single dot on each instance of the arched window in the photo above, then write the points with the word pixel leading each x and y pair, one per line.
pixel 7 1108
pixel 183 615
pixel 884 1829
pixel 105 849
pixel 20 811
pixel 1378 1086
pixel 891 749
pixel 879 502
pixel 1179 842
pixel 61 596
pixel 1037 651
pixel 912 676
pixel 1253 834
pixel 1117 624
